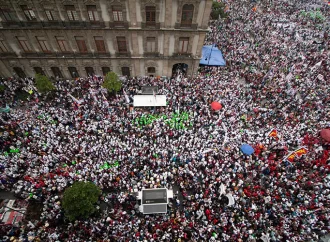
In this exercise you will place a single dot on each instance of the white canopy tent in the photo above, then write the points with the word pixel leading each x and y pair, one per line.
pixel 149 101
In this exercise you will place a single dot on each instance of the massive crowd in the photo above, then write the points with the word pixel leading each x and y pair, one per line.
pixel 276 78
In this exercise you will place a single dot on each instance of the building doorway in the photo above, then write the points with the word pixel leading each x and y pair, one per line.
pixel 89 71
pixel 125 71
pixel 179 68
pixel 19 72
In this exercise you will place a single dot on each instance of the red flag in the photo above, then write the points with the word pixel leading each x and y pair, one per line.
pixel 291 157
pixel 300 152
pixel 273 133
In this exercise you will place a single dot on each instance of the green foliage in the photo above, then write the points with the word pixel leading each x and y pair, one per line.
pixel 2 88
pixel 43 84
pixel 218 8
pixel 79 200
pixel 112 82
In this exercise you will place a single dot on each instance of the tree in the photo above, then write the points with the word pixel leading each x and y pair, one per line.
pixel 112 82
pixel 218 8
pixel 79 200
pixel 43 84
pixel 2 88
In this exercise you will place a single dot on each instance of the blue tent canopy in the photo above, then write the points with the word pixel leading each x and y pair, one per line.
pixel 212 56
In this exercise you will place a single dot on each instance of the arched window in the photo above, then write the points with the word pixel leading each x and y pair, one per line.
pixel 187 14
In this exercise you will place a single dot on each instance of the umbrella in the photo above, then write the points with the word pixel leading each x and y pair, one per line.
pixel 325 134
pixel 247 149
pixel 216 105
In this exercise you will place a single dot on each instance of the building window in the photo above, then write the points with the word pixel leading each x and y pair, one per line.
pixel 99 42
pixel 89 71
pixel 105 70
pixel 6 14
pixel 92 13
pixel 151 70
pixel 3 48
pixel 125 71
pixel 81 44
pixel 29 13
pixel 151 44
pixel 51 15
pixel 187 14
pixel 19 72
pixel 43 44
pixel 24 44
pixel 73 72
pixel 150 16
pixel 121 41
pixel 183 45
pixel 62 44
pixel 117 14
pixel 57 72
pixel 71 12
pixel 39 70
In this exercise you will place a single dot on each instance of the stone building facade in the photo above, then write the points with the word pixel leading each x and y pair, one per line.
pixel 71 38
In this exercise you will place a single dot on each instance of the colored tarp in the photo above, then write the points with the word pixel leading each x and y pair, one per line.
pixel 212 56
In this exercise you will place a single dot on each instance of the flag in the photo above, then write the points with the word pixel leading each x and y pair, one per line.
pixel 273 133
pixel 126 96
pixel 291 157
pixel 300 152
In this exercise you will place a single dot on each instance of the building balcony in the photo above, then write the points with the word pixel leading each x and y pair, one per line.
pixel 8 54
pixel 182 55
pixel 151 54
pixel 185 26
pixel 118 25
pixel 52 24
pixel 123 54
pixel 64 55
pixel 150 25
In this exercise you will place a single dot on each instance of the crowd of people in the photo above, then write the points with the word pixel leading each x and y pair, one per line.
pixel 276 79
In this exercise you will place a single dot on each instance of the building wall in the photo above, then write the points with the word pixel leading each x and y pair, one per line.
pixel 168 29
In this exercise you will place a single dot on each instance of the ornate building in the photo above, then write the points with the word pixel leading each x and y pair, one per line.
pixel 71 38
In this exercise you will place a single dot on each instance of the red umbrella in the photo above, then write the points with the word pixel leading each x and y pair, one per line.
pixel 216 105
pixel 325 134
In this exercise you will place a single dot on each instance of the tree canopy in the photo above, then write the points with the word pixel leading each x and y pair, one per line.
pixel 112 82
pixel 43 84
pixel 79 200
pixel 218 9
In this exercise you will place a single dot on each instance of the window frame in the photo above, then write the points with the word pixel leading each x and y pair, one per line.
pixel 151 40
pixel 93 10
pixel 105 68
pixel 58 72
pixel 151 68
pixel 150 15
pixel 6 14
pixel 183 41
pixel 117 14
pixel 99 42
pixel 42 41
pixel 52 14
pixel 120 44
pixel 28 13
pixel 72 69
pixel 42 72
pixel 60 39
pixel 24 43
pixel 81 44
pixel 3 47
pixel 71 12
pixel 185 14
